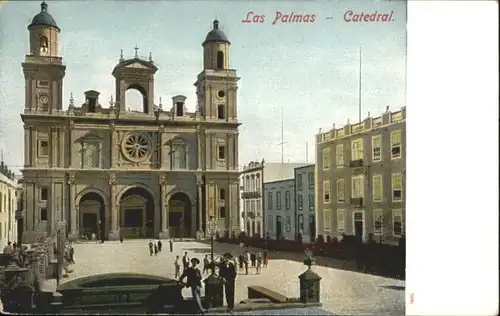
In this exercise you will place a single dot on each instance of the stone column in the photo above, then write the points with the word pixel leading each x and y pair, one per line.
pixel 163 149
pixel 74 231
pixel 53 146
pixel 114 145
pixel 164 233
pixel 60 148
pixel 28 151
pixel 114 233
pixel 34 148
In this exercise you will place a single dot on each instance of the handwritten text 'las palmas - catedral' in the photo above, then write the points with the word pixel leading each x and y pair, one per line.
pixel 279 17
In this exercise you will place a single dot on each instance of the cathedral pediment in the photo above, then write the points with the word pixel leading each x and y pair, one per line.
pixel 135 64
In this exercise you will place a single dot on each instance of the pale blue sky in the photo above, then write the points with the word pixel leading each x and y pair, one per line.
pixel 308 70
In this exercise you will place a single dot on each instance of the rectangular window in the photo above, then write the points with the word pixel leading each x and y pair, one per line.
pixel 278 200
pixel 220 112
pixel 340 221
pixel 326 158
pixel 311 202
pixel 326 191
pixel 357 187
pixel 43 148
pixel 396 144
pixel 340 191
pixel 339 156
pixel 247 184
pixel 222 212
pixel 300 220
pixel 270 224
pixel 377 188
pixel 377 148
pixel 300 202
pixel 257 207
pixel 252 206
pixel 270 200
pixel 222 194
pixel 288 223
pixel 310 179
pixel 378 220
pixel 287 200
pixel 42 84
pixel 357 149
pixel 326 219
pixel 44 194
pixel 221 155
pixel 299 182
pixel 247 206
pixel 257 183
pixel 43 214
pixel 397 223
pixel 397 187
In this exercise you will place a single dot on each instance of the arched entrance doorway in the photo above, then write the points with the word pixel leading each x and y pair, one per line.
pixel 179 215
pixel 137 214
pixel 92 215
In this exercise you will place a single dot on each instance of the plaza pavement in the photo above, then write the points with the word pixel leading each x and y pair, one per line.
pixel 342 292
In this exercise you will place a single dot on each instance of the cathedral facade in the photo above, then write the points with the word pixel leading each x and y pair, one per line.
pixel 106 170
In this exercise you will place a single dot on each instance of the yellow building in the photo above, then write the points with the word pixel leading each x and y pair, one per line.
pixel 111 171
pixel 9 189
pixel 360 178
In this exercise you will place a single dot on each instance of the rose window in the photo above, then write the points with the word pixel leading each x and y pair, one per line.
pixel 136 147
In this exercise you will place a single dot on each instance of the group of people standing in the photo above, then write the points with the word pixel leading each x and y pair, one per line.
pixel 252 259
pixel 155 248
pixel 227 272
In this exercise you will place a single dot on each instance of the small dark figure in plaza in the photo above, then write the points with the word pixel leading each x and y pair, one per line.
pixel 194 278
pixel 121 237
pixel 266 258
pixel 206 264
pixel 227 272
pixel 185 261
pixel 246 260
pixel 253 258
pixel 159 245
pixel 177 267
pixel 171 243
pixel 259 263
pixel 156 249
pixel 71 254
pixel 241 259
pixel 150 245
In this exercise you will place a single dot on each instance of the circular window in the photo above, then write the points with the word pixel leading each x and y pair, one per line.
pixel 221 94
pixel 136 147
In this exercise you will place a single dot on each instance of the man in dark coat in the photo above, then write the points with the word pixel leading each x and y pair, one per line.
pixel 159 245
pixel 227 272
pixel 194 278
pixel 171 243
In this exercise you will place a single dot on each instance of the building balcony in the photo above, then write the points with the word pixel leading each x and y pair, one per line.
pixel 251 195
pixel 356 163
pixel 356 201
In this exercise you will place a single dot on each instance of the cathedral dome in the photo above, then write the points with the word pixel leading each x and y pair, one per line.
pixel 216 35
pixel 44 18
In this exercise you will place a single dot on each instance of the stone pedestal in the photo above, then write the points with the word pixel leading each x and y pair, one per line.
pixel 164 234
pixel 114 235
pixel 309 287
pixel 214 289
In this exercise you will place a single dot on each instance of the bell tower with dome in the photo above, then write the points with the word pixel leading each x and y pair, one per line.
pixel 43 68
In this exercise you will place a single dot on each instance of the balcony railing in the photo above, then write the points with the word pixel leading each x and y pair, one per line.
pixel 356 201
pixel 251 195
pixel 356 163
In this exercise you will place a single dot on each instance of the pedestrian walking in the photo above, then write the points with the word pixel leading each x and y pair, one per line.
pixel 150 245
pixel 252 259
pixel 194 277
pixel 228 273
pixel 177 267
pixel 171 243
pixel 159 245
pixel 156 249
pixel 240 261
pixel 259 263
pixel 72 254
pixel 206 264
pixel 247 261
pixel 266 258
pixel 185 262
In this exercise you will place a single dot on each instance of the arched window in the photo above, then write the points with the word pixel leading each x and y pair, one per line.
pixel 220 60
pixel 44 44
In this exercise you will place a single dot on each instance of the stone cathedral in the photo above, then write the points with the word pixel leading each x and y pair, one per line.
pixel 106 170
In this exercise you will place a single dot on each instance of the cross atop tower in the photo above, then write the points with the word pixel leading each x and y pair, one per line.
pixel 136 49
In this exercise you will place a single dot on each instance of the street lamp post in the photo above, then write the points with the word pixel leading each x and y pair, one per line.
pixel 212 226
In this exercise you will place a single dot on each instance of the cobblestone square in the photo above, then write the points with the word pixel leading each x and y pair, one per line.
pixel 342 292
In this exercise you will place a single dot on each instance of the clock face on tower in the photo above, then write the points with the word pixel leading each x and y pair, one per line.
pixel 44 99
